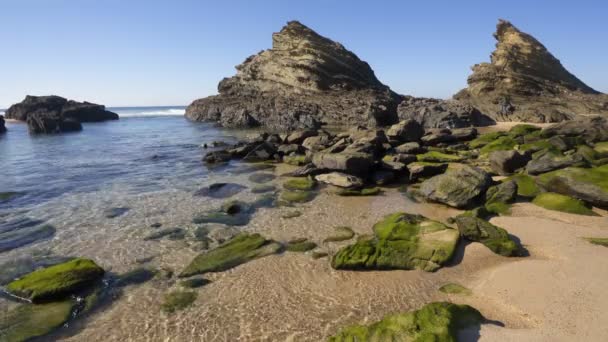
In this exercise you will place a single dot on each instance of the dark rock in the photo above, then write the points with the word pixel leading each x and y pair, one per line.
pixel 58 107
pixel 20 232
pixel 383 177
pixel 425 170
pixel 169 233
pixel 135 277
pixel 548 162
pixel 217 157
pixel 506 162
pixel 435 113
pixel 406 131
pixel 303 80
pixel 591 129
pixel 459 188
pixel 524 82
pixel 220 190
pixel 285 150
pixel 115 212
pixel 402 158
pixel 493 237
pixel 264 151
pixel 261 177
pixel 352 163
pixel 499 197
pixel 39 123
pixel 2 127
pixel 410 148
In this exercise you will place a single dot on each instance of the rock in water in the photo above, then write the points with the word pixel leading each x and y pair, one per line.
pixel 304 79
pixel 524 82
pixel 2 127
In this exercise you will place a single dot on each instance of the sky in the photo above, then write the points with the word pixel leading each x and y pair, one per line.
pixel 135 53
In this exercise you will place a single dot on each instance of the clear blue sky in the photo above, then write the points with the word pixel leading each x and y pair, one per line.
pixel 122 52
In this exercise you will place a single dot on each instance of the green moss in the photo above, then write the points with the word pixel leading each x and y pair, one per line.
pixel 453 288
pixel 28 321
pixel 438 157
pixel 177 300
pixel 598 241
pixel 557 202
pixel 56 282
pixel 597 176
pixel 340 234
pixel 260 189
pixel 499 208
pixel 504 143
pixel 288 196
pixel 523 129
pixel 526 186
pixel 194 283
pixel 485 139
pixel 297 160
pixel 299 184
pixel 601 147
pixel 319 255
pixel 433 322
pixel 239 219
pixel 479 230
pixel 359 192
pixel 402 241
pixel 300 245
pixel 240 249
pixel 538 146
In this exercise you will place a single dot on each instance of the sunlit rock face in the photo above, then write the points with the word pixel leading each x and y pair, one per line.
pixel 525 82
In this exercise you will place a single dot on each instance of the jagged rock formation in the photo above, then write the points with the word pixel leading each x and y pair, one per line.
pixel 524 82
pixel 55 114
pixel 303 80
pixel 2 127
pixel 436 113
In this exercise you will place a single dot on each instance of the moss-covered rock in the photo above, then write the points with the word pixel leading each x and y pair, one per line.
pixel 521 130
pixel 137 276
pixel 319 254
pixel 28 321
pixel 493 237
pixel 433 322
pixel 439 157
pixel 503 143
pixel 291 214
pixel 194 283
pixel 526 186
pixel 260 189
pixel 340 234
pixel 299 184
pixel 499 197
pixel 300 245
pixel 261 177
pixel 587 184
pixel 601 147
pixel 297 160
pixel 598 241
pixel 453 288
pixel 289 196
pixel 485 139
pixel 457 188
pixel 56 282
pixel 563 203
pixel 178 300
pixel 359 192
pixel 239 250
pixel 402 241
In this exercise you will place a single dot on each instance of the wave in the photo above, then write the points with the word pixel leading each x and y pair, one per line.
pixel 149 111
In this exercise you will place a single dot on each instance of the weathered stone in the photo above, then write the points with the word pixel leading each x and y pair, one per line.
pixel 499 197
pixel 459 188
pixel 506 162
pixel 493 237
pixel 410 148
pixel 352 163
pixel 317 143
pixel 425 170
pixel 589 185
pixel 220 190
pixel 264 151
pixel 548 163
pixel 59 108
pixel 340 179
pixel 435 113
pixel 285 150
pixel 305 171
pixel 216 157
pixel 591 129
pixel 406 131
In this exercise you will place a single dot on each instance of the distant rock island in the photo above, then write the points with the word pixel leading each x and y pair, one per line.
pixel 55 114
pixel 524 82
pixel 303 80
pixel 306 80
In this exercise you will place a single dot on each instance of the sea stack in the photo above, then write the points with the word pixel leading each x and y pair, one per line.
pixel 55 114
pixel 303 81
pixel 525 82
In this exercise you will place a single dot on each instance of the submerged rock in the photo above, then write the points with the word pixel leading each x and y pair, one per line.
pixel 303 184
pixel 56 282
pixel 20 232
pixel 438 321
pixel 134 277
pixel 359 192
pixel 2 127
pixel 493 237
pixel 453 288
pixel 261 177
pixel 240 249
pixel 220 190
pixel 115 212
pixel 300 245
pixel 304 79
pixel 28 321
pixel 459 188
pixel 341 180
pixel 340 234
pixel 402 241
pixel 524 82
pixel 178 300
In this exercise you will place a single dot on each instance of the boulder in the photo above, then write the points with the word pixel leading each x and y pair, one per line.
pixel 302 81
pixel 286 150
pixel 589 185
pixel 58 107
pixel 525 82
pixel 317 143
pixel 425 170
pixel 435 113
pixel 506 162
pixel 402 241
pixel 479 230
pixel 410 148
pixel 548 162
pixel 591 129
pixel 499 197
pixel 2 127
pixel 406 131
pixel 341 180
pixel 298 137
pixel 39 123
pixel 216 157
pixel 264 151
pixel 459 188
pixel 354 163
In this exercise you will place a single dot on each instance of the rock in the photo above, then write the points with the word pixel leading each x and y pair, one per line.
pixel 439 321
pixel 524 82
pixel 499 197
pixel 296 160
pixel 305 171
pixel 506 162
pixel 453 288
pixel 340 179
pixel 410 148
pixel 354 163
pixel 406 131
pixel 526 186
pixel 290 196
pixel 391 165
pixel 260 189
pixel 20 232
pixel 299 184
pixel 317 143
pixel 548 162
pixel 178 300
pixel 591 129
pixel 111 213
pixel 401 158
pixel 264 151
pixel 261 177
pixel 402 241
pixel 459 188
pixel 298 137
pixel 170 233
pixel 40 124
pixel 383 177
pixel 439 157
pixel 340 234
pixel 60 108
pixel 303 80
pixel 28 321
pixel 241 249
pixel 194 283
pixel 300 245
pixel 135 277
pixel 217 157
pixel 2 127
pixel 435 113
pixel 359 192
pixel 220 190
pixel 286 150
pixel 589 185
pixel 425 170
pixel 563 203
pixel 493 237
pixel 56 282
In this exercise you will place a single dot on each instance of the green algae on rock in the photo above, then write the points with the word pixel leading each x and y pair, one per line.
pixel 563 203
pixel 239 250
pixel 453 288
pixel 438 321
pixel 340 234
pixel 297 160
pixel 438 157
pixel 56 282
pixel 503 143
pixel 499 197
pixel 261 177
pixel 598 241
pixel 28 321
pixel 178 300
pixel 359 192
pixel 587 184
pixel 299 184
pixel 495 238
pixel 300 245
pixel 291 214
pixel 260 189
pixel 194 283
pixel 526 186
pixel 457 188
pixel 485 139
pixel 521 130
pixel 402 241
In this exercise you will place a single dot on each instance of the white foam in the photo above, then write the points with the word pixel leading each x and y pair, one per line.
pixel 151 112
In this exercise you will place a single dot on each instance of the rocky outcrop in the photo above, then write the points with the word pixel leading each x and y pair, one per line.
pixel 436 113
pixel 55 114
pixel 302 81
pixel 2 127
pixel 525 82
